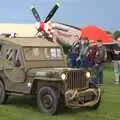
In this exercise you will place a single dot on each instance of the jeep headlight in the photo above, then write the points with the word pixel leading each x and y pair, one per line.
pixel 88 74
pixel 63 76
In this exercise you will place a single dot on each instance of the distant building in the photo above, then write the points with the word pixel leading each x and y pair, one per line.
pixel 21 30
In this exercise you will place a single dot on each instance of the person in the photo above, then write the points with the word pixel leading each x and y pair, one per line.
pixel 101 56
pixel 85 44
pixel 73 55
pixel 87 57
pixel 91 56
pixel 116 62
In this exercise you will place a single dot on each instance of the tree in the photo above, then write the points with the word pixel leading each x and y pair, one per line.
pixel 116 34
pixel 108 32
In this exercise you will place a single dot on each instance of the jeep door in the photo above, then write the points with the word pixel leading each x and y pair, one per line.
pixel 13 64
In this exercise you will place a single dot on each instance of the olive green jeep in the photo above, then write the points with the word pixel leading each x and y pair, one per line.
pixel 30 66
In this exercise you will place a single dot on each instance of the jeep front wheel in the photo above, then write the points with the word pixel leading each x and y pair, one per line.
pixel 47 101
pixel 2 93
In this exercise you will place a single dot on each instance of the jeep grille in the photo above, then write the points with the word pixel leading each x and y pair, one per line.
pixel 77 79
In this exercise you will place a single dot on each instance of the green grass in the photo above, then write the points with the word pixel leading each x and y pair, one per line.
pixel 23 108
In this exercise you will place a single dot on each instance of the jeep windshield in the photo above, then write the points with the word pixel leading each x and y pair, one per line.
pixel 49 53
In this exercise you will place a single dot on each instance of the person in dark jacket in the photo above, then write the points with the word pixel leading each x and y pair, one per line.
pixel 100 58
pixel 116 62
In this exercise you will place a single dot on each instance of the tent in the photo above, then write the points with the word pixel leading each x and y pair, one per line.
pixel 94 33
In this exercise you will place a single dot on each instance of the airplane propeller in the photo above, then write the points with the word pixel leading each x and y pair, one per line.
pixel 35 14
pixel 53 11
pixel 41 24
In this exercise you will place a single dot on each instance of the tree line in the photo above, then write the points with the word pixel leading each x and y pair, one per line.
pixel 115 34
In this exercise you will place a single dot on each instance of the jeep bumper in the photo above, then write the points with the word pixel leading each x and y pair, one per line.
pixel 82 98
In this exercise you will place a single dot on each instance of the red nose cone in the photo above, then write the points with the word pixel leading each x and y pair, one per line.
pixel 41 28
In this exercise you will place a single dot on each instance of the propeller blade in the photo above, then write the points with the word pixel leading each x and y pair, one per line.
pixel 52 12
pixel 35 14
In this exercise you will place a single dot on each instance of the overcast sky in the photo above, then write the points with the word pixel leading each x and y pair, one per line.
pixel 102 13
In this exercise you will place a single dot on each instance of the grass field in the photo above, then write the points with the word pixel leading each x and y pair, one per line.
pixel 23 108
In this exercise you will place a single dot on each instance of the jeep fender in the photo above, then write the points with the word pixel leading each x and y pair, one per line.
pixel 57 85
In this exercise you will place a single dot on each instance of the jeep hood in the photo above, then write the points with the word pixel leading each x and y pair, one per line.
pixel 45 71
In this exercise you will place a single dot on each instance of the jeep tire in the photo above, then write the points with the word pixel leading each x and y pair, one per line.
pixel 47 101
pixel 3 96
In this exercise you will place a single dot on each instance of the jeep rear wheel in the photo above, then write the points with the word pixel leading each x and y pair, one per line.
pixel 47 101
pixel 3 96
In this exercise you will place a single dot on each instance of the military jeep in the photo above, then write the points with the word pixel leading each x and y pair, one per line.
pixel 30 66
